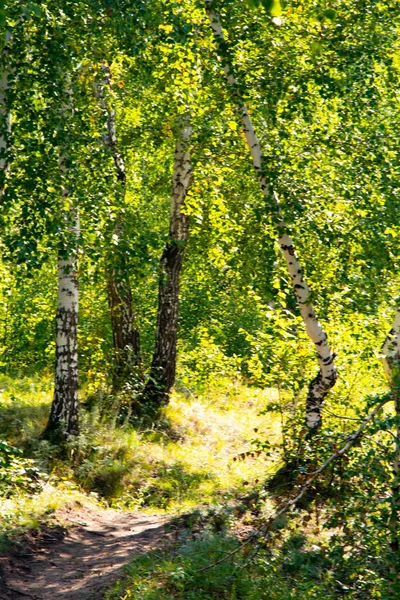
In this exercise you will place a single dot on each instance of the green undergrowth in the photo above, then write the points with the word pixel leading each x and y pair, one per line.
pixel 22 513
pixel 298 563
pixel 193 456
pixel 218 454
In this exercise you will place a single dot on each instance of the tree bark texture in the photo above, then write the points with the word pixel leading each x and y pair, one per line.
pixel 391 349
pixel 391 364
pixel 327 374
pixel 63 419
pixel 163 366
pixel 126 338
pixel 5 111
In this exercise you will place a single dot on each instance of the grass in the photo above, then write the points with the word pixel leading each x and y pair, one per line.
pixel 190 464
pixel 294 567
pixel 22 513
pixel 189 459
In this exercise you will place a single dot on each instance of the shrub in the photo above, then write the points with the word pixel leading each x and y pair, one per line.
pixel 18 473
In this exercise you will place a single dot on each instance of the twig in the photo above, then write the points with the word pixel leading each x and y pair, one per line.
pixel 342 416
pixel 290 503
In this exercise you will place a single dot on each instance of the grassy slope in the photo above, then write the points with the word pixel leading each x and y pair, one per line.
pixel 190 460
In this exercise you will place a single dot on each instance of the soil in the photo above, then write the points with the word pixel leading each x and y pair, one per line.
pixel 81 560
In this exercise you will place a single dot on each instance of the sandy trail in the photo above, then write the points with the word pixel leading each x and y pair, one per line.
pixel 79 562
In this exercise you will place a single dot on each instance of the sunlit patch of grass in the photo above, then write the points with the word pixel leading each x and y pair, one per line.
pixel 192 456
pixel 24 407
pixel 24 513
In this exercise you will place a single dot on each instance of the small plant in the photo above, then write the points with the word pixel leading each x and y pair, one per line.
pixel 17 473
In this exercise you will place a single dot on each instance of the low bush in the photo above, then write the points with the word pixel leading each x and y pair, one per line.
pixel 18 474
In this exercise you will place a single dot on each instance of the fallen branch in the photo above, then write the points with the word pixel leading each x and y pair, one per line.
pixel 265 529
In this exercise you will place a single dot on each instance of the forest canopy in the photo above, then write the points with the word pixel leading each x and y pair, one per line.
pixel 195 193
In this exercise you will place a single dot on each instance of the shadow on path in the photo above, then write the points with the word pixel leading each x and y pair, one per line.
pixel 76 564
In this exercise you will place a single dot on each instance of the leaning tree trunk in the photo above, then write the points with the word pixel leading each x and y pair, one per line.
pixel 63 419
pixel 327 374
pixel 126 339
pixel 163 366
pixel 391 364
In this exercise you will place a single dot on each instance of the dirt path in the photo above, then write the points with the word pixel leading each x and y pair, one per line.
pixel 78 562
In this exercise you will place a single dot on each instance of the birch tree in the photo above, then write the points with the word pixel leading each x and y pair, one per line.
pixel 326 377
pixel 63 420
pixel 391 364
pixel 163 366
pixel 5 110
pixel 126 338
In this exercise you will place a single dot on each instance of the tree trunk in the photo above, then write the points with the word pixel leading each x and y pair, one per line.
pixel 5 113
pixel 63 419
pixel 391 364
pixel 327 374
pixel 163 366
pixel 391 350
pixel 126 339
pixel 127 354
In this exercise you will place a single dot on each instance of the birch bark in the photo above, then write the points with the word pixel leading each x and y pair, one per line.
pixel 126 338
pixel 163 367
pixel 391 348
pixel 327 374
pixel 391 365
pixel 5 111
pixel 63 420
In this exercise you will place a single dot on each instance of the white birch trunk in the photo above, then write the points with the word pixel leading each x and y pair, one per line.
pixel 5 112
pixel 110 134
pixel 63 420
pixel 391 365
pixel 391 348
pixel 181 180
pixel 327 374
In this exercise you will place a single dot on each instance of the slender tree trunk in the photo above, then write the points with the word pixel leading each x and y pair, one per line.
pixel 127 353
pixel 391 350
pixel 126 339
pixel 391 364
pixel 5 113
pixel 327 374
pixel 63 419
pixel 163 366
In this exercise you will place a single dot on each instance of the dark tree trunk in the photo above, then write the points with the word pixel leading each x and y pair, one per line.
pixel 163 366
pixel 127 354
pixel 162 372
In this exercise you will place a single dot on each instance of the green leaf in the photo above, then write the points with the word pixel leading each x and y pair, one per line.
pixel 253 4
pixel 273 7
pixel 330 13
pixel 2 13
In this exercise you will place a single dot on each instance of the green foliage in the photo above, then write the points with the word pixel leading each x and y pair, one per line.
pixel 321 85
pixel 18 474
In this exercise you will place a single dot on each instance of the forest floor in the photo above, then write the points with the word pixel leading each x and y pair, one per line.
pixel 81 556
pixel 62 543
